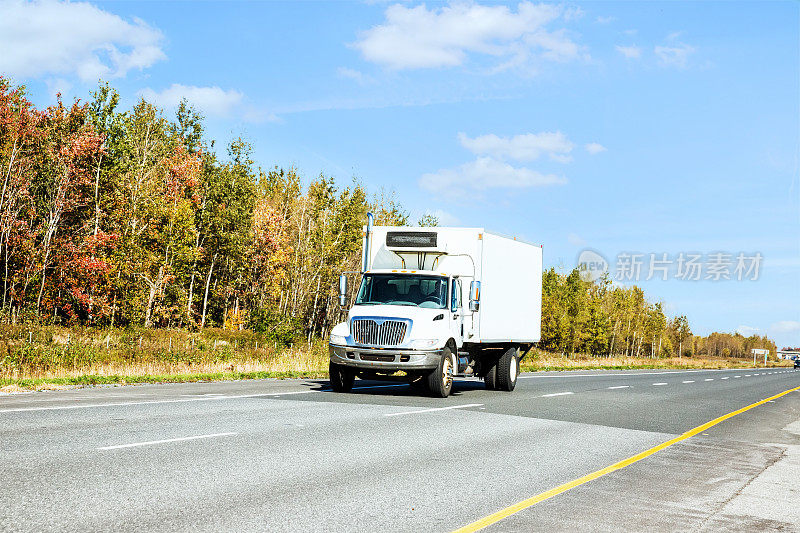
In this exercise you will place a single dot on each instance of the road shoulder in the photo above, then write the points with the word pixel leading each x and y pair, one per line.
pixel 770 498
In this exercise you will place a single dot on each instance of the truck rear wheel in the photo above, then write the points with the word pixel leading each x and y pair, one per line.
pixel 507 370
pixel 341 377
pixel 440 382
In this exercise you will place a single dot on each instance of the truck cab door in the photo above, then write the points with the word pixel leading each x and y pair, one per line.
pixel 457 312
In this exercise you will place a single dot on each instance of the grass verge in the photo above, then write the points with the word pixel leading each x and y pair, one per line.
pixel 10 385
pixel 57 358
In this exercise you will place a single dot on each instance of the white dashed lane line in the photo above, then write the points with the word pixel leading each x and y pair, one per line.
pixel 164 441
pixel 418 411
pixel 556 394
pixel 659 384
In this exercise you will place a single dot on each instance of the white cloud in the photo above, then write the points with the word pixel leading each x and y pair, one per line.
pixel 595 148
pixel 257 115
pixel 573 13
pixel 57 86
pixel 486 173
pixel 555 46
pixel 445 218
pixel 786 326
pixel 525 147
pixel 352 74
pixel 48 37
pixel 747 331
pixel 605 20
pixel 674 56
pixel 416 37
pixel 210 100
pixel 630 52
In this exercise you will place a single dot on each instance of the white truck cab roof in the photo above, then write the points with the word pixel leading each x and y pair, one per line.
pixel 405 271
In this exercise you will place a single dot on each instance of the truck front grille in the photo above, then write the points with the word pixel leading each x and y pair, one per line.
pixel 388 333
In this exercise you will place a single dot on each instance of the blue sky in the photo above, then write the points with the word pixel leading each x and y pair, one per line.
pixel 622 127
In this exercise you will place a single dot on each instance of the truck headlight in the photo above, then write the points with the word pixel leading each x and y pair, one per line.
pixel 425 344
pixel 338 339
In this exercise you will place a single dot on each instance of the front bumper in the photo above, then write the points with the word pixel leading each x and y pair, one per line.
pixel 384 359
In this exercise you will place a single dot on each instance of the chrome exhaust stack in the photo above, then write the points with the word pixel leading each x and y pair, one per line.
pixel 367 237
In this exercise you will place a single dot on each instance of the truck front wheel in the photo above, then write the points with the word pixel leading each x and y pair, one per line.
pixel 491 378
pixel 342 378
pixel 507 370
pixel 440 381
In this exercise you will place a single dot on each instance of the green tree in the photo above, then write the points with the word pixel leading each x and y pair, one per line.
pixel 680 332
pixel 428 220
pixel 225 220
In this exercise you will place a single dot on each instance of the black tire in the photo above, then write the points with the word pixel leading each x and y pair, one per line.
pixel 440 382
pixel 342 378
pixel 507 370
pixel 490 379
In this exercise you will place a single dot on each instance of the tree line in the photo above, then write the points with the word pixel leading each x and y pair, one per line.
pixel 112 217
pixel 600 318
pixel 118 218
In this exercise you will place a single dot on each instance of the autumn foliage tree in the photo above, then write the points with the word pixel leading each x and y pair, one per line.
pixel 19 132
pixel 125 217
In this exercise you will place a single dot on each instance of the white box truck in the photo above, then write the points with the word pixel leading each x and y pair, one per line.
pixel 437 303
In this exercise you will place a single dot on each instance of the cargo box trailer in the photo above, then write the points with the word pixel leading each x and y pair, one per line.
pixel 437 303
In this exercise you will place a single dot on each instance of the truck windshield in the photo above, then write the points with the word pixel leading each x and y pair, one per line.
pixel 403 289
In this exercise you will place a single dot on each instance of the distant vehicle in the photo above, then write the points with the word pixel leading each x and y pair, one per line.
pixel 435 303
pixel 797 362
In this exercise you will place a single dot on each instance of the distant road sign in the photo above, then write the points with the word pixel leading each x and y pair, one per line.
pixel 759 351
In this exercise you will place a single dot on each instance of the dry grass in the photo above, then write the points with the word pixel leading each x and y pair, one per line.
pixel 10 389
pixel 304 359
pixel 39 386
pixel 77 356
pixel 54 358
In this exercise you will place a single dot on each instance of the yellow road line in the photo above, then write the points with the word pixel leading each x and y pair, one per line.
pixel 546 495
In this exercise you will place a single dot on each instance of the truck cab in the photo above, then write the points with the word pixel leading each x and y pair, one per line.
pixel 403 320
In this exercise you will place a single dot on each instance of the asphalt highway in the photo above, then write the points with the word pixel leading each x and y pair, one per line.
pixel 291 455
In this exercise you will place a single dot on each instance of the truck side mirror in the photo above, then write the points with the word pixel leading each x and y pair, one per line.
pixel 474 296
pixel 342 290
